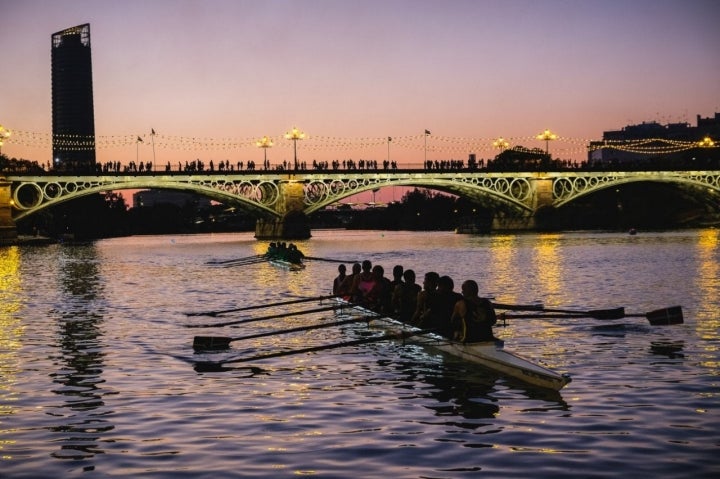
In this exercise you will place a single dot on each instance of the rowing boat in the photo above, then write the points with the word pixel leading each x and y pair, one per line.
pixel 489 354
pixel 286 264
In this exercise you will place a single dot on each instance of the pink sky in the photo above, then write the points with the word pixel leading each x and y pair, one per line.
pixel 351 73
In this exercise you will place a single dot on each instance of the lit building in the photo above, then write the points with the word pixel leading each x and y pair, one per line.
pixel 649 140
pixel 73 119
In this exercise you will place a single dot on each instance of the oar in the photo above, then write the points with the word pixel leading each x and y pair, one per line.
pixel 614 313
pixel 658 317
pixel 262 318
pixel 201 343
pixel 662 317
pixel 244 263
pixel 234 260
pixel 330 260
pixel 502 316
pixel 518 307
pixel 259 306
pixel 213 366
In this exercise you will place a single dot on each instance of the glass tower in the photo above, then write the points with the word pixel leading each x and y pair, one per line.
pixel 73 120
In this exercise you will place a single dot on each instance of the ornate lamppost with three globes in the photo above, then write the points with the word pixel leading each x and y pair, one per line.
pixel 547 136
pixel 295 135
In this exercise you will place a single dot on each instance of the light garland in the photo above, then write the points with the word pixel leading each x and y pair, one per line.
pixel 435 143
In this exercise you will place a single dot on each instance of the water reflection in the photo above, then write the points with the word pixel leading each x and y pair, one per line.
pixel 11 332
pixel 502 264
pixel 548 264
pixel 671 349
pixel 80 362
pixel 463 391
pixel 707 283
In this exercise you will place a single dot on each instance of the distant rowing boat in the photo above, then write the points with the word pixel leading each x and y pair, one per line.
pixel 286 264
pixel 490 354
pixel 285 256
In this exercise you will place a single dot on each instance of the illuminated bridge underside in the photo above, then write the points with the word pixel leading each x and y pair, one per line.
pixel 264 193
pixel 568 187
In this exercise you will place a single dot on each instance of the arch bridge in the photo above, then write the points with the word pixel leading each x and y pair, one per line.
pixel 281 200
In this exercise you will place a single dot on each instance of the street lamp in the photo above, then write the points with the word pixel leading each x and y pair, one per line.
pixel 295 135
pixel 547 136
pixel 500 144
pixel 4 135
pixel 264 143
pixel 706 142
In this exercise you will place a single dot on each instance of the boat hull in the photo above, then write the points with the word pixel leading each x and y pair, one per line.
pixel 281 263
pixel 490 354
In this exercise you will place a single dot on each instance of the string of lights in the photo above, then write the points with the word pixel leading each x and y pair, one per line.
pixel 434 143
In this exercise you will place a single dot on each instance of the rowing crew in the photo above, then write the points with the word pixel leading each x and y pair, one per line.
pixel 464 317
pixel 286 252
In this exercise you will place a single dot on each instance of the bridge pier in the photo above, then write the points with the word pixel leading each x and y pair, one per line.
pixel 8 231
pixel 293 224
pixel 541 205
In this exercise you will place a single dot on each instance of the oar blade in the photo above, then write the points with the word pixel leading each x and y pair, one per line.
pixel 666 316
pixel 211 343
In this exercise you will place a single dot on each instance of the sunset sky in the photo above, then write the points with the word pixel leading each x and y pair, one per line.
pixel 350 74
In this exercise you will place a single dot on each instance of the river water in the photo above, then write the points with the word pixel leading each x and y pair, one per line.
pixel 97 375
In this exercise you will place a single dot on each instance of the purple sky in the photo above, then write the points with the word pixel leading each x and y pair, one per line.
pixel 351 73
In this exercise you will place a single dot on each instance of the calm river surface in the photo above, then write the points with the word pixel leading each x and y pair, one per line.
pixel 97 376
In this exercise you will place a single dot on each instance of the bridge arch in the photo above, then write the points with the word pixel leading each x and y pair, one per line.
pixel 570 188
pixel 32 195
pixel 515 193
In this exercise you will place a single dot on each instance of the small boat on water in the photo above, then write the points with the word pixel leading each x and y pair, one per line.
pixel 285 256
pixel 490 354
pixel 286 264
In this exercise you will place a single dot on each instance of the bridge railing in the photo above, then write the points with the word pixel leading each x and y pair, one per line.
pixel 24 167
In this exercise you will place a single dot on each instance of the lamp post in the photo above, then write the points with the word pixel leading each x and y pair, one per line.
pixel 706 142
pixel 501 144
pixel 264 143
pixel 4 135
pixel 295 135
pixel 547 136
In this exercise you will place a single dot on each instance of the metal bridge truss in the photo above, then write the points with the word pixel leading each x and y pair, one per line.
pixel 513 191
pixel 570 186
pixel 261 192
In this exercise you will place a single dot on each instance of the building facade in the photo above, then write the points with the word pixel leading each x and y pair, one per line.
pixel 652 141
pixel 73 118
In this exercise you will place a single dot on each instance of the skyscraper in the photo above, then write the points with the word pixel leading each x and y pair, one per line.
pixel 73 120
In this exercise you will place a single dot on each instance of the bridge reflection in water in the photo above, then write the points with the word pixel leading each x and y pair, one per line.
pixel 281 200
